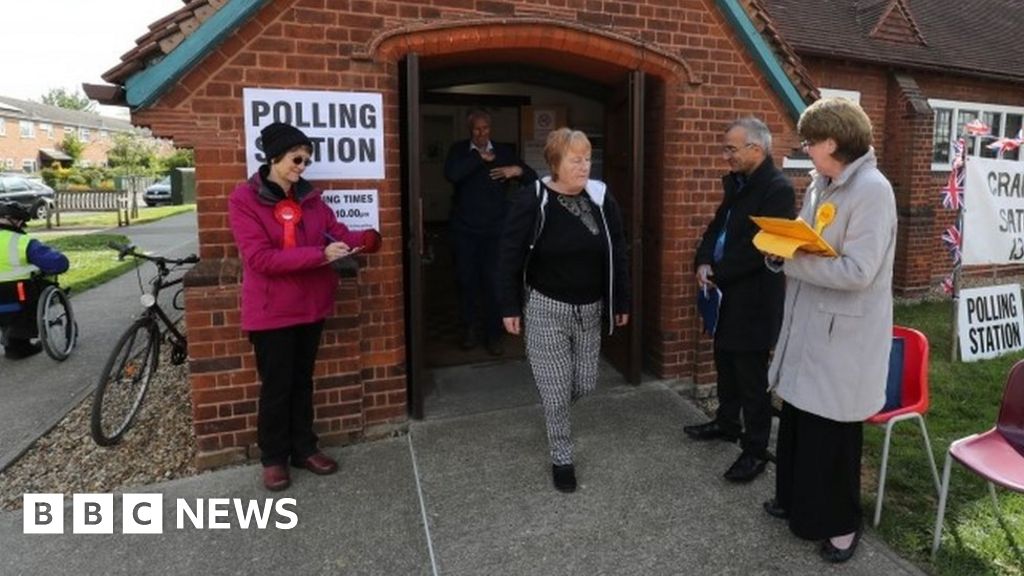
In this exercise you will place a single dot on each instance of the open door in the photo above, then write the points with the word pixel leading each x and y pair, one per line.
pixel 412 231
pixel 624 129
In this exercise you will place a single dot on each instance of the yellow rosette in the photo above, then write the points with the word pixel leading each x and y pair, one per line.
pixel 824 216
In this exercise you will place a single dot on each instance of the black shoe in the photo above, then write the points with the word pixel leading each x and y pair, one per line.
pixel 774 510
pixel 468 340
pixel 747 467
pixel 710 431
pixel 833 555
pixel 18 349
pixel 564 476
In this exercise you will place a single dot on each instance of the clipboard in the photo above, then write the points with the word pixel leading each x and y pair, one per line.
pixel 783 237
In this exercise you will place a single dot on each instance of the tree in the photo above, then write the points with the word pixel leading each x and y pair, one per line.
pixel 69 100
pixel 132 152
pixel 73 147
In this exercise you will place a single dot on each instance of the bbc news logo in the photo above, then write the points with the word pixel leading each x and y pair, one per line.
pixel 144 514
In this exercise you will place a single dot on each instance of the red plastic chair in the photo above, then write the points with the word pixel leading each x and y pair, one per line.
pixel 996 455
pixel 913 404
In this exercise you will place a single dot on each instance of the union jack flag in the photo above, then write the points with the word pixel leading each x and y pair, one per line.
pixel 1004 145
pixel 953 239
pixel 947 285
pixel 977 128
pixel 953 193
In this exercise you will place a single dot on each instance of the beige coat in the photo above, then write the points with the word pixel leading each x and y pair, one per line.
pixel 833 351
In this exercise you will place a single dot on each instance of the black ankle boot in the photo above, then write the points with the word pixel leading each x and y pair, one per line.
pixel 564 476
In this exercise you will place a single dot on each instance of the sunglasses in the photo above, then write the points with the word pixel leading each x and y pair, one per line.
pixel 302 160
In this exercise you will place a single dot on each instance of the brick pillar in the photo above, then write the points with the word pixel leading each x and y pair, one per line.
pixel 907 164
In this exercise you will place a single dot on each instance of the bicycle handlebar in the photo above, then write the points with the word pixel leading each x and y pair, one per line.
pixel 129 250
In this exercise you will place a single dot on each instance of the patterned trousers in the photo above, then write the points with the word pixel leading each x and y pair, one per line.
pixel 563 344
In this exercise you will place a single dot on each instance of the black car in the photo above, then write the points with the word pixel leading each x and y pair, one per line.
pixel 36 197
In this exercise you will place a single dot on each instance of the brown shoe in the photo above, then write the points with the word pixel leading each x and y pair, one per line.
pixel 318 463
pixel 276 477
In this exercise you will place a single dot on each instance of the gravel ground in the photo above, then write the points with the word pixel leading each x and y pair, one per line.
pixel 158 447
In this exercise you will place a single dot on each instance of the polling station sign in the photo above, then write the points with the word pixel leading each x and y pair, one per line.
pixel 357 209
pixel 990 322
pixel 346 128
pixel 993 230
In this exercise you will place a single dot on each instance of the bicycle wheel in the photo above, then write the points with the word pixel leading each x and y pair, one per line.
pixel 55 320
pixel 124 381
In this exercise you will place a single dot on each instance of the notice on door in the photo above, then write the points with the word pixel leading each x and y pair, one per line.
pixel 346 128
pixel 357 209
pixel 990 322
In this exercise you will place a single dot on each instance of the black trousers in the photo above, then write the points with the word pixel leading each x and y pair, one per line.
pixel 743 386
pixel 284 360
pixel 818 473
pixel 476 270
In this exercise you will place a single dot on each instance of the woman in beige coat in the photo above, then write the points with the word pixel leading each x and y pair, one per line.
pixel 831 359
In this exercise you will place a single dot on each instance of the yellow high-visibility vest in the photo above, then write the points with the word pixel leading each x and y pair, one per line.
pixel 14 264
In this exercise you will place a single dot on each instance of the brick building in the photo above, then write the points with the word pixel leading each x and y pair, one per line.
pixel 31 133
pixel 654 82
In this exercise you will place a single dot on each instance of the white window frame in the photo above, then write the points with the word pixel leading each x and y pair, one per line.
pixel 69 130
pixel 27 129
pixel 3 127
pixel 84 134
pixel 805 163
pixel 955 106
pixel 28 165
pixel 9 163
pixel 47 128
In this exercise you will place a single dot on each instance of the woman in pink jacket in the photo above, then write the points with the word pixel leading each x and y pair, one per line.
pixel 287 238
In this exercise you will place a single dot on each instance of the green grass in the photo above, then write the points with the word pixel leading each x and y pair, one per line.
pixel 92 262
pixel 965 400
pixel 108 219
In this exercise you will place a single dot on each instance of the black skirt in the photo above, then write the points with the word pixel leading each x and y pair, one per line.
pixel 818 480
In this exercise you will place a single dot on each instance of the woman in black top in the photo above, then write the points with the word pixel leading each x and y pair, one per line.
pixel 562 267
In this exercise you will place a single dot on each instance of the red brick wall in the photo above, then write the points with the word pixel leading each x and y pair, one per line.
pixel 705 80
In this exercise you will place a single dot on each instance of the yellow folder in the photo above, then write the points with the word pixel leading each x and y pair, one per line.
pixel 783 237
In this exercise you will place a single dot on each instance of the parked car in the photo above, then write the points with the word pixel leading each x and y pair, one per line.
pixel 158 193
pixel 35 196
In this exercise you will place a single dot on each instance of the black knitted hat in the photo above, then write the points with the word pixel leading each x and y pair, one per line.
pixel 278 138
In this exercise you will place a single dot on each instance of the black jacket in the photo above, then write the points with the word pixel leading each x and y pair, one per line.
pixel 480 202
pixel 525 224
pixel 752 296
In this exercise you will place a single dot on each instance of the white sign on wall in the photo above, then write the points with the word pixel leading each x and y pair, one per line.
pixel 346 128
pixel 357 209
pixel 993 230
pixel 990 322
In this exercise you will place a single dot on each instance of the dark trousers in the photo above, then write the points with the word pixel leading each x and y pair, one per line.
pixel 743 386
pixel 284 360
pixel 818 473
pixel 476 269
pixel 18 328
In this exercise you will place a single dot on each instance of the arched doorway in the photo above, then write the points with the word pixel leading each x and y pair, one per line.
pixel 608 86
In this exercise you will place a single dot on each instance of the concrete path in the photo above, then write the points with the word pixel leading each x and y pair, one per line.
pixel 35 393
pixel 472 495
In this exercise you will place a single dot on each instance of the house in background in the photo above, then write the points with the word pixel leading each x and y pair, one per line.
pixel 921 69
pixel 31 134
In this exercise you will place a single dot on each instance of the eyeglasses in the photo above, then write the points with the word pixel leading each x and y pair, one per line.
pixel 805 144
pixel 731 150
pixel 302 160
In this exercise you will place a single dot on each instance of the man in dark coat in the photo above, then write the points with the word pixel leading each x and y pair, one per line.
pixel 479 171
pixel 750 314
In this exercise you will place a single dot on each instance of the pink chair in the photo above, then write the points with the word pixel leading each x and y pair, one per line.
pixel 996 455
pixel 913 403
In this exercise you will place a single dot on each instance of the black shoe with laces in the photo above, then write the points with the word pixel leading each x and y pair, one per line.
pixel 564 476
pixel 747 467
pixel 710 431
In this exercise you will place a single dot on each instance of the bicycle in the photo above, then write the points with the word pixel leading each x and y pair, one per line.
pixel 133 361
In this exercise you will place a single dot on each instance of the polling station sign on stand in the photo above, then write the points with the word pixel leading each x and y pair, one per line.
pixel 346 128
pixel 990 322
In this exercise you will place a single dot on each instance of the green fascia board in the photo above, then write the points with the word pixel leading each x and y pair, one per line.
pixel 764 56
pixel 146 86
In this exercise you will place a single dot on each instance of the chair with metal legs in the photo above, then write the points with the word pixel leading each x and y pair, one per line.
pixel 909 391
pixel 996 455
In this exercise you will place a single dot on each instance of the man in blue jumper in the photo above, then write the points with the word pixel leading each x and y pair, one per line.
pixel 20 258
pixel 479 171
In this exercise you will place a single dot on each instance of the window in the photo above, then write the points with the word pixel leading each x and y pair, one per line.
pixel 3 127
pixel 83 134
pixel 28 166
pixel 9 164
pixel 950 118
pixel 28 129
pixel 800 161
pixel 68 130
pixel 104 135
pixel 48 129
